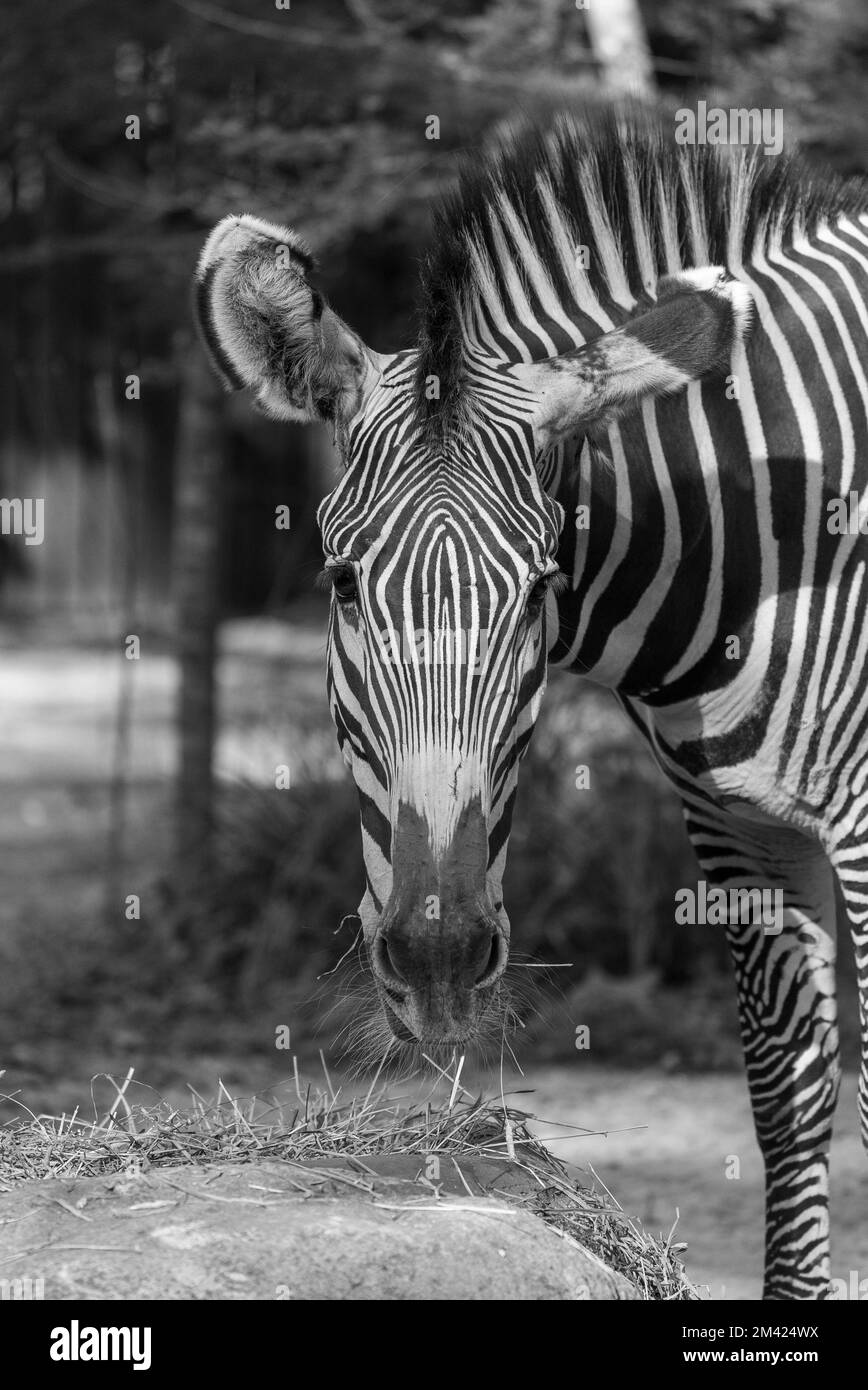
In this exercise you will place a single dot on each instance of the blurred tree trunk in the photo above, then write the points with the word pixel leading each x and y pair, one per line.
pixel 114 433
pixel 620 46
pixel 637 898
pixel 199 477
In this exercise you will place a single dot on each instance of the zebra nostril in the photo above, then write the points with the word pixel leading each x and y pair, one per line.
pixel 495 962
pixel 387 966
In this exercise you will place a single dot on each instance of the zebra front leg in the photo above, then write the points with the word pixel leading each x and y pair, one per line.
pixel 849 861
pixel 785 974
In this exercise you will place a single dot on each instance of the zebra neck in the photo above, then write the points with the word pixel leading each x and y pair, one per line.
pixel 636 545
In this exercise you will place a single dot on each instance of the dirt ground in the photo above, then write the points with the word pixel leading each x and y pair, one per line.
pixel 676 1159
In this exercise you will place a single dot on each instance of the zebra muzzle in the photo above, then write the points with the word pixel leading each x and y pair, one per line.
pixel 440 948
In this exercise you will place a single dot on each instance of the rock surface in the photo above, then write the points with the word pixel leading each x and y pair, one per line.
pixel 333 1229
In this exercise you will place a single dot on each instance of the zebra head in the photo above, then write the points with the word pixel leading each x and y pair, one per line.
pixel 441 551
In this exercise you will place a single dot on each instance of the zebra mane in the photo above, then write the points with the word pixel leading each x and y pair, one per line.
pixel 506 277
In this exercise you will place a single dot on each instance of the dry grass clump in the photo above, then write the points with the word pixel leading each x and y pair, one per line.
pixel 315 1123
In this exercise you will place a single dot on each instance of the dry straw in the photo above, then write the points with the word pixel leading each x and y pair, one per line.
pixel 316 1124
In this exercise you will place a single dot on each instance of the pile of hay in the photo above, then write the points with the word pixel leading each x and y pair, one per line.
pixel 315 1125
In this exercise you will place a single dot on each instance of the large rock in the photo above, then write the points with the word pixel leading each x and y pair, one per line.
pixel 334 1229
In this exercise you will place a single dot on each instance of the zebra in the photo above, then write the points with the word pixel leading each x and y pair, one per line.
pixel 636 398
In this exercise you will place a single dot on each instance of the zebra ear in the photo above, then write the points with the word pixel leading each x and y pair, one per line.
pixel 266 327
pixel 699 318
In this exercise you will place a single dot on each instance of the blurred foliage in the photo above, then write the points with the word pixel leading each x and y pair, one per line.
pixel 807 57
pixel 315 114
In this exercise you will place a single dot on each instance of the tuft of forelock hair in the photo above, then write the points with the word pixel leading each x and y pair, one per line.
pixel 263 324
pixel 504 241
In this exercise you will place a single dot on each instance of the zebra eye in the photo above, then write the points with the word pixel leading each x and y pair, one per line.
pixel 537 595
pixel 553 582
pixel 344 584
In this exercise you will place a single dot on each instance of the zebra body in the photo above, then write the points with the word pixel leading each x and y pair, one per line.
pixel 610 453
pixel 768 751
